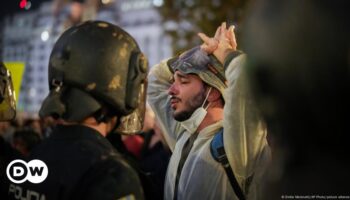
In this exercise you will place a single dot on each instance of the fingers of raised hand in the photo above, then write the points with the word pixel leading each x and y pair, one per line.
pixel 231 37
pixel 210 44
pixel 204 37
pixel 217 33
pixel 223 31
pixel 223 26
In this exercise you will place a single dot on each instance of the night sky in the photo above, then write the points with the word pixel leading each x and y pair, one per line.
pixel 9 7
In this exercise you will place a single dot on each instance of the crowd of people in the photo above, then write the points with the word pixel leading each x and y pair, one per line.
pixel 211 110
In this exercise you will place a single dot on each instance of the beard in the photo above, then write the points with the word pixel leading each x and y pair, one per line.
pixel 190 106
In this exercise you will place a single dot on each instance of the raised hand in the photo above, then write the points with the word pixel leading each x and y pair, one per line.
pixel 221 44
pixel 210 44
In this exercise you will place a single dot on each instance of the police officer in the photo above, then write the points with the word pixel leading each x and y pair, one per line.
pixel 97 77
pixel 7 95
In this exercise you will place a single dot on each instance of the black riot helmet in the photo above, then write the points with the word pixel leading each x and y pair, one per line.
pixel 96 66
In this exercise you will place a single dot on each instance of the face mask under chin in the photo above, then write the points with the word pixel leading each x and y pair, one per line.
pixel 191 124
pixel 182 116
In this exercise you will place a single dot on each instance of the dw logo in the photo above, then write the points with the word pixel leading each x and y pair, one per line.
pixel 34 171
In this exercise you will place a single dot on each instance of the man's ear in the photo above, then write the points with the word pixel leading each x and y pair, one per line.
pixel 214 95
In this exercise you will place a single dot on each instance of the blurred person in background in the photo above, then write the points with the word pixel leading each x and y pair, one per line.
pixel 6 131
pixel 24 141
pixel 97 78
pixel 149 157
pixel 135 143
pixel 154 157
pixel 33 123
pixel 299 69
pixel 75 14
pixel 78 11
pixel 154 160
pixel 47 124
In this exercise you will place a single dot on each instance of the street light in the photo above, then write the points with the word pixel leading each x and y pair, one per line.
pixel 45 36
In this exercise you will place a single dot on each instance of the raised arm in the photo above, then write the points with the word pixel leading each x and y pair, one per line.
pixel 244 131
pixel 159 81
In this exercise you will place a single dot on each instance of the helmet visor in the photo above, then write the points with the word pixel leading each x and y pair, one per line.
pixel 7 96
pixel 132 124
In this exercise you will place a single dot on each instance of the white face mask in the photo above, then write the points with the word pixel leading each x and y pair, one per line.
pixel 197 117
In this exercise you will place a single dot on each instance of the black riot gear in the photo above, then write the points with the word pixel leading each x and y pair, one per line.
pixel 95 65
pixel 97 74
pixel 7 95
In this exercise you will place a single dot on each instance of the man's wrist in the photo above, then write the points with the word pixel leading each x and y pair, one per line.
pixel 221 55
pixel 230 56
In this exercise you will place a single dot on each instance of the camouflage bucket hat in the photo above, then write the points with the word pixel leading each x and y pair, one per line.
pixel 196 61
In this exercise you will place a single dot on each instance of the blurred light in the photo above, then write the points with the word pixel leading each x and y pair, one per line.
pixel 158 3
pixel 170 25
pixel 136 5
pixel 185 25
pixel 210 16
pixel 28 5
pixel 216 3
pixel 182 42
pixel 45 36
pixel 106 1
pixel 32 92
pixel 23 4
pixel 189 3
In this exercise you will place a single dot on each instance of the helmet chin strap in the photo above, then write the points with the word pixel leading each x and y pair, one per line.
pixel 117 123
pixel 206 98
